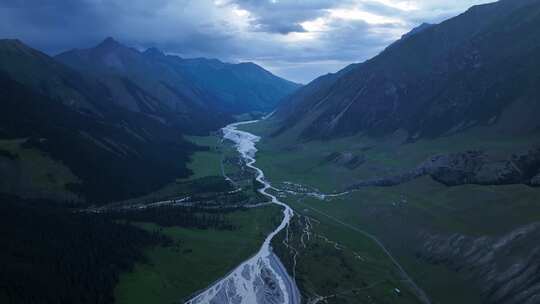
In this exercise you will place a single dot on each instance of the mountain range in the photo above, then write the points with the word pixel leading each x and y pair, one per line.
pixel 109 121
pixel 199 82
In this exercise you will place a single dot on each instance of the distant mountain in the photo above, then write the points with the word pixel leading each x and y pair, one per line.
pixel 477 69
pixel 74 121
pixel 139 84
pixel 183 83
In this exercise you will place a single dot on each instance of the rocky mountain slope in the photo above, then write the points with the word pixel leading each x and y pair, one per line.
pixel 182 84
pixel 477 69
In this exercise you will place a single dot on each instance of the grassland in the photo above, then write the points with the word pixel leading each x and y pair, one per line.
pixel 471 210
pixel 29 173
pixel 287 158
pixel 197 258
pixel 397 215
pixel 206 163
pixel 348 269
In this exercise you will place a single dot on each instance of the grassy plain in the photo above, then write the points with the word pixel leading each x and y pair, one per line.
pixel 197 258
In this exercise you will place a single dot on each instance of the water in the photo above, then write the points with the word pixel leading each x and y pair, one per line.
pixel 262 279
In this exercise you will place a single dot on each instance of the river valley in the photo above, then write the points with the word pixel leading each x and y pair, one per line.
pixel 262 279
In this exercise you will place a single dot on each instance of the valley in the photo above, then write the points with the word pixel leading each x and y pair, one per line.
pixel 374 274
pixel 177 163
pixel 176 271
pixel 119 150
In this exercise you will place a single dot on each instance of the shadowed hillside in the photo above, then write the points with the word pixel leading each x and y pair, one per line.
pixel 72 119
pixel 477 69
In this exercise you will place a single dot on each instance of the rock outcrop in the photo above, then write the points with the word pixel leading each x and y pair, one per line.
pixel 470 167
pixel 476 167
pixel 504 272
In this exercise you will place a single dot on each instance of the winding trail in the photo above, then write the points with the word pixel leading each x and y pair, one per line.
pixel 262 279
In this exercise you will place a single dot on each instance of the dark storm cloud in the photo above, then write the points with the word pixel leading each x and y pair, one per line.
pixel 299 39
pixel 284 17
pixel 50 24
pixel 56 25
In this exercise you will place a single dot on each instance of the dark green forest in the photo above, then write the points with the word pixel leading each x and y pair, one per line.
pixel 53 254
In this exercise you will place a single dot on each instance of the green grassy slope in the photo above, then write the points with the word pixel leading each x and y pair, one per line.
pixel 29 173
pixel 286 158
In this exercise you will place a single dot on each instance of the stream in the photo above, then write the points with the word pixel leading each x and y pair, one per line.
pixel 262 279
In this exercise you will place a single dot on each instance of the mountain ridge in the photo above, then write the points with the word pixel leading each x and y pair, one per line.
pixel 211 83
pixel 419 84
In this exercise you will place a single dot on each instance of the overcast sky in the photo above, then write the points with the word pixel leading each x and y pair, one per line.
pixel 296 39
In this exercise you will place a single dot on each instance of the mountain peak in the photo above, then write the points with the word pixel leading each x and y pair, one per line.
pixel 109 42
pixel 16 46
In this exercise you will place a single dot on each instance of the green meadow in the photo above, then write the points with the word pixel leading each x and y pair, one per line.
pixel 196 258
